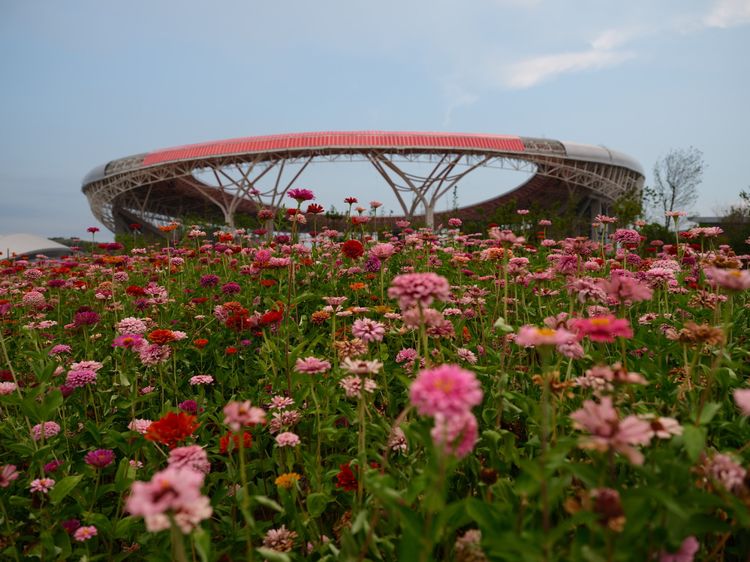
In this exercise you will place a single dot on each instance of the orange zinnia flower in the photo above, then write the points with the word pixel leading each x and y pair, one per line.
pixel 172 428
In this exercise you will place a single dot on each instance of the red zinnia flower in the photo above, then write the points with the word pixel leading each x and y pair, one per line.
pixel 271 317
pixel 345 479
pixel 268 282
pixel 172 428
pixel 135 291
pixel 315 209
pixel 231 350
pixel 352 249
pixel 200 343
pixel 161 337
pixel 224 441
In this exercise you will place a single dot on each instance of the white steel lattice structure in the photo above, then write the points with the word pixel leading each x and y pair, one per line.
pixel 224 177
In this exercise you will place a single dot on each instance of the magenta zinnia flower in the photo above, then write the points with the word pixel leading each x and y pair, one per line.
pixel 447 389
pixel 100 458
pixel 301 195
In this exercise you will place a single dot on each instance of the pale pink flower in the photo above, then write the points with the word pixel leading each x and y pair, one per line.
pixel 354 386
pixel 83 534
pixel 7 475
pixel 239 414
pixel 174 492
pixel 193 457
pixel 742 399
pixel 731 279
pixel 466 355
pixel 608 431
pixel 280 402
pixel 383 251
pixel 662 428
pixel 531 336
pixel 687 551
pixel 42 485
pixel 726 471
pixel 7 388
pixel 201 380
pixel 361 367
pixel 368 330
pixel 413 289
pixel 287 439
pixel 280 540
pixel 312 365
pixel 446 389
pixel 139 425
pixel 455 433
pixel 46 430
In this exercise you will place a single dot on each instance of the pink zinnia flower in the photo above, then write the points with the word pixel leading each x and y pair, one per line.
pixel 602 328
pixel 239 414
pixel 172 491
pixel 456 434
pixel 608 431
pixel 689 547
pixel 46 430
pixel 83 534
pixel 127 341
pixel 368 330
pixel 7 388
pixel 42 485
pixel 201 379
pixel 312 365
pixel 80 378
pixel 139 426
pixel 7 475
pixel 422 289
pixel 287 439
pixel 447 389
pixel 354 386
pixel 301 195
pixel 531 336
pixel 731 279
pixel 193 457
pixel 742 399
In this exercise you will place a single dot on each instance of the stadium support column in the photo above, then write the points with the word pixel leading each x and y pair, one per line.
pixel 426 190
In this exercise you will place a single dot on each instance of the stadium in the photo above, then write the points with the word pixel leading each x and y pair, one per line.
pixel 217 181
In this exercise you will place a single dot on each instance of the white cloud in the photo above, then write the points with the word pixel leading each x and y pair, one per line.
pixel 456 97
pixel 613 38
pixel 532 71
pixel 728 13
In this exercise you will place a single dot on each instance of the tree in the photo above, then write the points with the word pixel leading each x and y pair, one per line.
pixel 676 179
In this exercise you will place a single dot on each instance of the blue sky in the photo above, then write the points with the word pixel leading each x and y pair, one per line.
pixel 84 82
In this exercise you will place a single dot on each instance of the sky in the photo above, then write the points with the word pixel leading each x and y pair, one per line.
pixel 86 82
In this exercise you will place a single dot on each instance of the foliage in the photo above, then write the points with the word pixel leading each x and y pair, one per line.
pixel 622 440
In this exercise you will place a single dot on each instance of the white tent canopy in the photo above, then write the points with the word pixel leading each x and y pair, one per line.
pixel 29 245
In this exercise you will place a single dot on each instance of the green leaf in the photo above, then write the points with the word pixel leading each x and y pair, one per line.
pixel 694 439
pixel 125 475
pixel 268 502
pixel 316 503
pixel 273 555
pixel 51 404
pixel 708 412
pixel 64 487
pixel 202 544
pixel 124 525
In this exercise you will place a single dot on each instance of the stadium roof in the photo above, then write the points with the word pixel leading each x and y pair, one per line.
pixel 30 245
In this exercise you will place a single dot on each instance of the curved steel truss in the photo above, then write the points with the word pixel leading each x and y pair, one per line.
pixel 133 189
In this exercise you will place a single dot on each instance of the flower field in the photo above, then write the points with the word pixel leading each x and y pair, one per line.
pixel 417 395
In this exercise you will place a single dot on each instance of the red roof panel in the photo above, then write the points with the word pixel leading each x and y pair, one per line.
pixel 330 140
